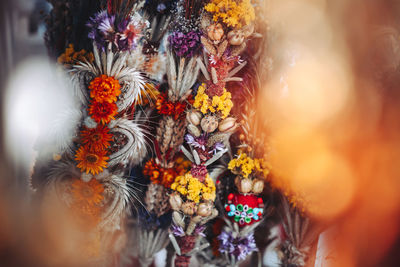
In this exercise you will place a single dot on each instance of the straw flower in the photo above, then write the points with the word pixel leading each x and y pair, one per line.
pixel 103 112
pixel 89 161
pixel 104 89
pixel 96 139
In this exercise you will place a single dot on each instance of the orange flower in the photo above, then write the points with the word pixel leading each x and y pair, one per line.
pixel 104 89
pixel 86 200
pixel 103 112
pixel 92 162
pixel 89 193
pixel 96 139
pixel 165 176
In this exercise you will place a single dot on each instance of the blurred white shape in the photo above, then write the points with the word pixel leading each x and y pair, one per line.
pixel 160 258
pixel 270 256
pixel 35 97
pixel 325 252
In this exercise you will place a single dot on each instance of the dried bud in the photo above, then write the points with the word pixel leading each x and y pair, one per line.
pixel 189 207
pixel 175 201
pixel 258 186
pixel 228 125
pixel 86 177
pixel 215 32
pixel 209 123
pixel 235 37
pixel 205 209
pixel 89 122
pixel 56 157
pixel 244 185
pixel 194 117
pixel 248 30
pixel 193 130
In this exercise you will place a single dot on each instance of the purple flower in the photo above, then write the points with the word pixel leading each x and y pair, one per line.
pixel 161 7
pixel 185 45
pixel 177 230
pixel 123 36
pixel 217 147
pixel 240 247
pixel 197 142
pixel 98 28
pixel 199 230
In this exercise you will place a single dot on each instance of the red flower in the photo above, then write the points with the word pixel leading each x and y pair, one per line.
pixel 97 138
pixel 164 176
pixel 103 112
pixel 175 109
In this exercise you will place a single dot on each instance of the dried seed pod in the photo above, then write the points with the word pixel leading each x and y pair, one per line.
pixel 194 117
pixel 258 186
pixel 178 219
pixel 175 201
pixel 209 123
pixel 235 37
pixel 243 185
pixel 193 130
pixel 205 209
pixel 228 125
pixel 189 207
pixel 215 32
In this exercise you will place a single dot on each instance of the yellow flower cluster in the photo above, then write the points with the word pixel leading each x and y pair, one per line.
pixel 193 189
pixel 234 13
pixel 244 165
pixel 70 56
pixel 221 103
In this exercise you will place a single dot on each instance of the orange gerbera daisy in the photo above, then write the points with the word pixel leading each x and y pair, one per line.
pixel 104 89
pixel 89 193
pixel 97 138
pixel 92 162
pixel 103 112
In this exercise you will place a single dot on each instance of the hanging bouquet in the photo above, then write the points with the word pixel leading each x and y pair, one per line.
pixel 89 169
